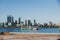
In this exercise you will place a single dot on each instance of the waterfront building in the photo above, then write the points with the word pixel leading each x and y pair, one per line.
pixel 1 24
pixel 10 20
pixel 34 21
pixel 29 23
pixel 15 21
pixel 19 20
pixel 17 25
pixel 45 24
pixel 25 22
pixel 50 23
pixel 22 24
pixel 39 24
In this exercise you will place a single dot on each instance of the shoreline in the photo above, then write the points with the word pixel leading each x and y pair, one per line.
pixel 30 33
pixel 29 36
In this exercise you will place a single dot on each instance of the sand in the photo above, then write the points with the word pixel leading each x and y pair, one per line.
pixel 30 37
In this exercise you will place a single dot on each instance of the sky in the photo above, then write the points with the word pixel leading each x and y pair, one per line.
pixel 41 10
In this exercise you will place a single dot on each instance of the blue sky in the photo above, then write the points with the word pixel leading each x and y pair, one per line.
pixel 41 10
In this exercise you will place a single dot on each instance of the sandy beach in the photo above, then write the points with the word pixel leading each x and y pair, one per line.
pixel 30 37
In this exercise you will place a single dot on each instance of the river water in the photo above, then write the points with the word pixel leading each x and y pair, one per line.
pixel 43 30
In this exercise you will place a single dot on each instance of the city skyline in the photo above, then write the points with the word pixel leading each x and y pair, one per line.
pixel 41 10
pixel 17 23
pixel 11 19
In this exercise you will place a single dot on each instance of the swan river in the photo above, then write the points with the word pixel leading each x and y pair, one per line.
pixel 41 30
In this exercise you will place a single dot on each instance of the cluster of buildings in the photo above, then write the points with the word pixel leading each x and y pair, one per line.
pixel 26 24
pixel 18 23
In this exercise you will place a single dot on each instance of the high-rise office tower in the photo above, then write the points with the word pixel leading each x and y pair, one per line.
pixel 25 22
pixel 10 20
pixel 34 21
pixel 50 23
pixel 19 20
pixel 15 21
pixel 29 23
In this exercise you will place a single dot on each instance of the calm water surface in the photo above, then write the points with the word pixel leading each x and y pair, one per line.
pixel 43 30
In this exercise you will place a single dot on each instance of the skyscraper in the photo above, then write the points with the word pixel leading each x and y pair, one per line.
pixel 10 20
pixel 15 21
pixel 50 23
pixel 34 21
pixel 29 23
pixel 19 20
pixel 25 22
